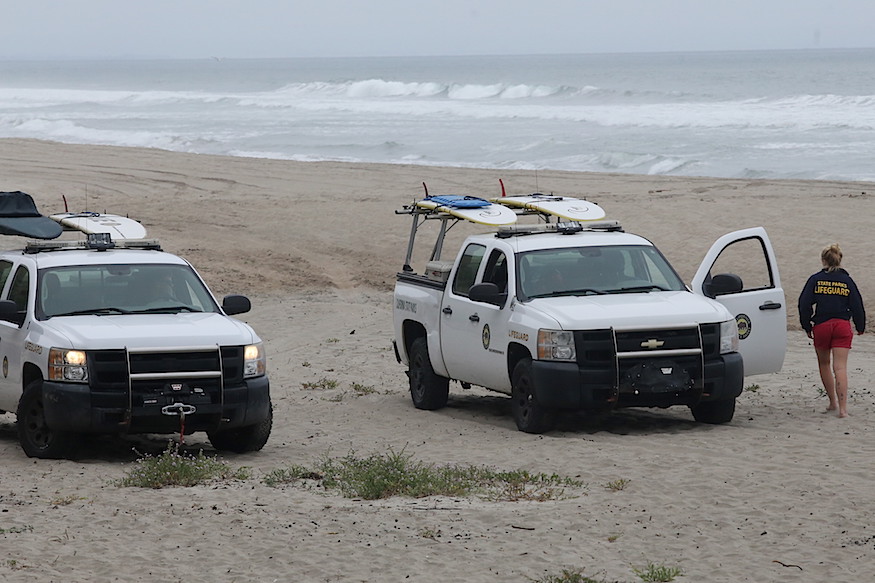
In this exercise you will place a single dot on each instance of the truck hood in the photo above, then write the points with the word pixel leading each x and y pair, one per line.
pixel 147 331
pixel 632 310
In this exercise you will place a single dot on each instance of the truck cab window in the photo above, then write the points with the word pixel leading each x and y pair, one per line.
pixel 469 264
pixel 19 288
pixel 496 270
pixel 747 259
pixel 5 269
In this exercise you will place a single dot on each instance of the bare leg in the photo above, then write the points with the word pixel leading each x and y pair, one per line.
pixel 827 378
pixel 840 368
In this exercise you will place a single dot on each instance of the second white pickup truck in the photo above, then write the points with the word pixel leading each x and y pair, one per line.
pixel 99 336
pixel 584 316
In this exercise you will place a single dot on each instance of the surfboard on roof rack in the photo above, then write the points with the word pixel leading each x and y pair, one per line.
pixel 118 227
pixel 564 207
pixel 469 208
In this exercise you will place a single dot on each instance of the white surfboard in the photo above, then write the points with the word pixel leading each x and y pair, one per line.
pixel 89 222
pixel 564 207
pixel 494 215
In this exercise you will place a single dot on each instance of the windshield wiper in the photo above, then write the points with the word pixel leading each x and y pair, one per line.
pixel 583 291
pixel 168 309
pixel 94 311
pixel 640 288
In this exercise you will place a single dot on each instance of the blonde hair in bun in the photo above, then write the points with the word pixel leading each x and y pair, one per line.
pixel 831 257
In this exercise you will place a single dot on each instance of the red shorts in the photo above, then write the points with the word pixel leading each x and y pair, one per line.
pixel 835 333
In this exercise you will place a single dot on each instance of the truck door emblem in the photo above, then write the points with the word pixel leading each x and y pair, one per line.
pixel 486 336
pixel 744 326
pixel 5 367
pixel 652 343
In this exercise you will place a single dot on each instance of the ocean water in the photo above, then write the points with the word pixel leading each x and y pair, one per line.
pixel 771 114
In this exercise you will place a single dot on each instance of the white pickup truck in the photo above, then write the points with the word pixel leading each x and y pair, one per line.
pixel 584 316
pixel 119 337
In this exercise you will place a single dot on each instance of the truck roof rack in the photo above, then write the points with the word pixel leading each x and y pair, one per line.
pixel 99 243
pixel 561 228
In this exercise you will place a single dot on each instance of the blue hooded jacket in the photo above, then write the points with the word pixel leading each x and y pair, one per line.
pixel 828 295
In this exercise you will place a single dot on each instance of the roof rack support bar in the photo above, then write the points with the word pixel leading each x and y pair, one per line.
pixel 439 244
pixel 413 227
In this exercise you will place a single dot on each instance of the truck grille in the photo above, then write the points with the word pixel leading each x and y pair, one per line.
pixel 658 367
pixel 134 379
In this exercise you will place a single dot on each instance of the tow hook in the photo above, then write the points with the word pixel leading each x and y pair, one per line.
pixel 181 409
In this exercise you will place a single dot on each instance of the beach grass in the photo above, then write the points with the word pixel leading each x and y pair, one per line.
pixel 654 573
pixel 16 529
pixel 175 468
pixel 569 576
pixel 394 473
pixel 617 485
pixel 323 384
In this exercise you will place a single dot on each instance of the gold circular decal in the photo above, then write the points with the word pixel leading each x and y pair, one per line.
pixel 486 336
pixel 744 325
pixel 5 367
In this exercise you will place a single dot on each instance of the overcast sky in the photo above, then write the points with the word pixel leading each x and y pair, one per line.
pixel 336 28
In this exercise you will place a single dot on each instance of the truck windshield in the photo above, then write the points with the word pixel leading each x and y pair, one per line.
pixel 121 289
pixel 594 270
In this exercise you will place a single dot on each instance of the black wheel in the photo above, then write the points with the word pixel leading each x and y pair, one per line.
pixel 529 414
pixel 428 390
pixel 714 411
pixel 243 439
pixel 36 437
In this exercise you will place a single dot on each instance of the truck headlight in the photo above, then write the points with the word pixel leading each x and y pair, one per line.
pixel 728 336
pixel 556 345
pixel 254 360
pixel 67 365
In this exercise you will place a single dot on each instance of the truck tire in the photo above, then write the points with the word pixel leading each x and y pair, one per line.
pixel 714 411
pixel 243 439
pixel 529 414
pixel 428 390
pixel 36 437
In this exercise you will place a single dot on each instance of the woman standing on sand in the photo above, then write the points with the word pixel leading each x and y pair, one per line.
pixel 828 301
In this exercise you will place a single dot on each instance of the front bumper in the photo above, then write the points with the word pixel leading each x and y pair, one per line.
pixel 564 385
pixel 73 407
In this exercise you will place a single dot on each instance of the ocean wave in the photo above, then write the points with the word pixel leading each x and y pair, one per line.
pixel 823 100
pixel 383 89
pixel 63 130
pixel 535 102
pixel 377 88
pixel 652 164
pixel 460 102
pixel 26 99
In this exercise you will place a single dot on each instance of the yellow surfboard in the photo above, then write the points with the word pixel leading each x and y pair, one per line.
pixel 564 207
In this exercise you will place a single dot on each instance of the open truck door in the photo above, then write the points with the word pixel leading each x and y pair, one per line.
pixel 741 272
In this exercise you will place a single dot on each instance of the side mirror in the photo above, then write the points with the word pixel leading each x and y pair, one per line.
pixel 236 304
pixel 487 293
pixel 722 284
pixel 9 312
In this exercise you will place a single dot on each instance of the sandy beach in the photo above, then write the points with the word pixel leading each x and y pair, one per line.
pixel 782 493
